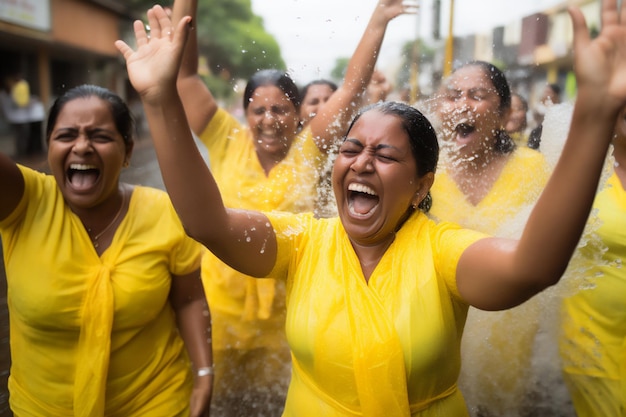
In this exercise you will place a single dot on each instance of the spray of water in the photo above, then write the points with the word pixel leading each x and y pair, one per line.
pixel 511 365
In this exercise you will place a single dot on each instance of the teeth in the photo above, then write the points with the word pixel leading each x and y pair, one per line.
pixel 360 188
pixel 81 167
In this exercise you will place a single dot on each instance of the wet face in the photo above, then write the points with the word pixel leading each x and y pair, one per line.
pixel 273 121
pixel 316 95
pixel 375 179
pixel 468 108
pixel 517 116
pixel 86 153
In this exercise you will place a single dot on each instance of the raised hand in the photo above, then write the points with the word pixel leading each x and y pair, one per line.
pixel 600 63
pixel 388 9
pixel 156 61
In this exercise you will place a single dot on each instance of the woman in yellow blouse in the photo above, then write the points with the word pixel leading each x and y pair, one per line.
pixel 485 182
pixel 377 297
pixel 268 163
pixel 593 343
pixel 517 122
pixel 107 313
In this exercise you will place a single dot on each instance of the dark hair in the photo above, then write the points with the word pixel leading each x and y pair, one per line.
pixel 305 89
pixel 276 78
pixel 522 99
pixel 122 116
pixel 422 137
pixel 504 142
pixel 555 88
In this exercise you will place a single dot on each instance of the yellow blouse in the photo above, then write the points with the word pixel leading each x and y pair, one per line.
pixel 389 347
pixel 593 346
pixel 95 335
pixel 517 188
pixel 249 313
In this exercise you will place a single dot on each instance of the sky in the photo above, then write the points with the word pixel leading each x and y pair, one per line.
pixel 312 34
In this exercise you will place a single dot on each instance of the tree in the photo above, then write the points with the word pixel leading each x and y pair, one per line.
pixel 231 37
pixel 339 70
pixel 415 51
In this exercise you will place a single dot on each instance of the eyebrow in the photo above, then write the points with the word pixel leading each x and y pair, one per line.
pixel 380 146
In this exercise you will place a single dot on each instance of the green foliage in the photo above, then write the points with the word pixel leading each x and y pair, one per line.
pixel 231 36
pixel 415 51
pixel 338 72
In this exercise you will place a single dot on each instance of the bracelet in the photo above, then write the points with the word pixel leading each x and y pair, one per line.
pixel 207 370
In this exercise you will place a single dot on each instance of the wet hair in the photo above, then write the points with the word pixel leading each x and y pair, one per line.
pixel 421 134
pixel 305 89
pixel 504 142
pixel 272 77
pixel 556 89
pixel 522 100
pixel 122 116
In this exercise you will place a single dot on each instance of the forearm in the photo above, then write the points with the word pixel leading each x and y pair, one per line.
pixel 11 185
pixel 362 63
pixel 334 116
pixel 193 320
pixel 194 325
pixel 199 103
pixel 559 217
pixel 189 182
pixel 189 63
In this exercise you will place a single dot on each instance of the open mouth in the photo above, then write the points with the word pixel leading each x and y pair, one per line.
pixel 362 200
pixel 82 176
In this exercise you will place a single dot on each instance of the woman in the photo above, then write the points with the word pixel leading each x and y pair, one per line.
pixel 268 164
pixel 517 123
pixel 378 297
pixel 483 184
pixel 312 96
pixel 106 310
pixel 593 343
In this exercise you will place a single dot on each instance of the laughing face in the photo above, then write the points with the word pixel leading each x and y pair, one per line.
pixel 316 96
pixel 273 121
pixel 470 113
pixel 86 153
pixel 375 178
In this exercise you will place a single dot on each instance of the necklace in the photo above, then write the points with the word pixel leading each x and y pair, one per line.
pixel 117 215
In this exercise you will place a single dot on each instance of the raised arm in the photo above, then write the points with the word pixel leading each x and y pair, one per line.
pixel 11 186
pixel 497 274
pixel 332 119
pixel 199 103
pixel 245 240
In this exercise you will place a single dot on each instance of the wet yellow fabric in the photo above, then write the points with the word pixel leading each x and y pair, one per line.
pixel 593 347
pixel 520 139
pixel 497 346
pixel 90 335
pixel 249 313
pixel 389 347
pixel 511 196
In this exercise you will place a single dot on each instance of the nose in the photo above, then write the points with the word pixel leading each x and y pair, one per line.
pixel 269 117
pixel 82 144
pixel 363 163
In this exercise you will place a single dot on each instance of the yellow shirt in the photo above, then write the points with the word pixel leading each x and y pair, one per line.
pixel 517 188
pixel 389 347
pixel 20 93
pixel 593 347
pixel 95 335
pixel 247 312
pixel 497 346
